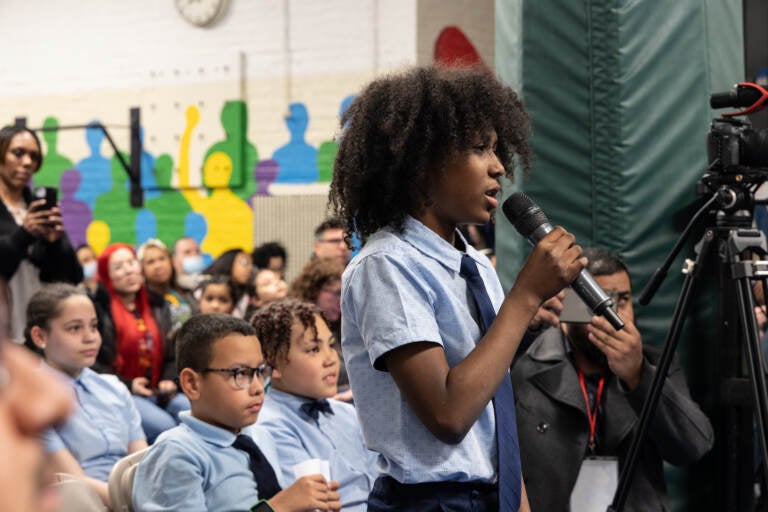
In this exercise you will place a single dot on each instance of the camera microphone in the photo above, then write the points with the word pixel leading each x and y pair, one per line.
pixel 743 95
pixel 533 224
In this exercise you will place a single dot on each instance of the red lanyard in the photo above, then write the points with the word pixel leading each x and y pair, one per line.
pixel 592 411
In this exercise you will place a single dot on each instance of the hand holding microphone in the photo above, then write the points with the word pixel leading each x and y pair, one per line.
pixel 533 224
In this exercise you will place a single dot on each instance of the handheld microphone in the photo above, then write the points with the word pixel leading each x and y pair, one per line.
pixel 531 222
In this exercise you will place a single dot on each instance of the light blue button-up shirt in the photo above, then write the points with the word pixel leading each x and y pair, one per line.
pixel 333 437
pixel 195 467
pixel 404 288
pixel 102 425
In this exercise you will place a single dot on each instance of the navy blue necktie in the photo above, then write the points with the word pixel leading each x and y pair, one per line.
pixel 266 480
pixel 503 400
pixel 315 407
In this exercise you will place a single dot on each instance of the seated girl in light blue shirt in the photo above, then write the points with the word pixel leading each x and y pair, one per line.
pixel 104 425
pixel 298 344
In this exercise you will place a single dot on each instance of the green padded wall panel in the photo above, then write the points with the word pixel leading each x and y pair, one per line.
pixel 619 96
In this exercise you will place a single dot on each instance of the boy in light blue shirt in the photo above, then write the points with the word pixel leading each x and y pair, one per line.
pixel 206 463
pixel 298 345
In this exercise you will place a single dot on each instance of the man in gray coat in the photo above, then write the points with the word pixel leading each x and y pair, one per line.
pixel 580 388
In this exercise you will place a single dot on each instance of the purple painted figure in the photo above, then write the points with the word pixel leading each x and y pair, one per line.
pixel 265 173
pixel 76 215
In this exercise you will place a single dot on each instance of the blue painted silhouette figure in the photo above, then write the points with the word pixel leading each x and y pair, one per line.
pixel 297 159
pixel 148 182
pixel 196 227
pixel 95 174
pixel 146 226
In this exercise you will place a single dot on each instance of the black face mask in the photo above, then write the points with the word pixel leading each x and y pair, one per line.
pixel 577 337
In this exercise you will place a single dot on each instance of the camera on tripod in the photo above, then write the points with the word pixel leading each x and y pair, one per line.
pixel 733 144
pixel 737 153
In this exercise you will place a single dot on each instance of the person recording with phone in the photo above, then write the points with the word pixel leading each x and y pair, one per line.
pixel 34 248
pixel 580 388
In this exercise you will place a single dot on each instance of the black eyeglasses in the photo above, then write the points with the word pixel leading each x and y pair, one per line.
pixel 244 376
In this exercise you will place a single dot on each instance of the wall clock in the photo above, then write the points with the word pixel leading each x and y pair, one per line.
pixel 200 13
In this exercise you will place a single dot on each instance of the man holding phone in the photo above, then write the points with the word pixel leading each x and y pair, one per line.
pixel 580 388
pixel 33 246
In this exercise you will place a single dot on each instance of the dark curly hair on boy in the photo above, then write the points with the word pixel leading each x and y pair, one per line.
pixel 273 325
pixel 400 130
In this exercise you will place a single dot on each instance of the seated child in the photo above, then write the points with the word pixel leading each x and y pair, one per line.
pixel 268 286
pixel 206 463
pixel 216 295
pixel 298 344
pixel 105 424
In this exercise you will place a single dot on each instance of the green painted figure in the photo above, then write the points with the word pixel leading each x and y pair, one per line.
pixel 234 121
pixel 169 207
pixel 114 207
pixel 54 163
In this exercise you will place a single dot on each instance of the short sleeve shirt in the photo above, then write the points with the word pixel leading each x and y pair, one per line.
pixel 404 288
pixel 104 421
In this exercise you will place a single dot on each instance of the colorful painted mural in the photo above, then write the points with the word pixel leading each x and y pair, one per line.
pixel 202 192
pixel 94 192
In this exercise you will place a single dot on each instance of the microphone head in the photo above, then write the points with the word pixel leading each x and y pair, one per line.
pixel 523 213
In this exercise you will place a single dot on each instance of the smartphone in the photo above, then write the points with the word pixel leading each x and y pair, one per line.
pixel 575 311
pixel 50 194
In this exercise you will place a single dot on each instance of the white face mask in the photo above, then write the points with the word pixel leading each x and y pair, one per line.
pixel 89 270
pixel 192 264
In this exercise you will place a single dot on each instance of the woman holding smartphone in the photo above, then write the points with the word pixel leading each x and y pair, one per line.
pixel 33 245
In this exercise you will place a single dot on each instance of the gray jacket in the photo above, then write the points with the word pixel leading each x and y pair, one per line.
pixel 553 426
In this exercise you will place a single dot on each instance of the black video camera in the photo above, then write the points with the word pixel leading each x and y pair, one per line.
pixel 733 144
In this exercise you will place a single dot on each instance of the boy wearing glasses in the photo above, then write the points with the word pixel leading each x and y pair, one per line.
pixel 206 463
pixel 298 344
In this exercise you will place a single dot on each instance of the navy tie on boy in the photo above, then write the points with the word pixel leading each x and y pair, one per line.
pixel 266 480
pixel 503 401
pixel 315 407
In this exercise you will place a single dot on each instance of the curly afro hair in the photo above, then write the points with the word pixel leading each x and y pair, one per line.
pixel 273 325
pixel 400 130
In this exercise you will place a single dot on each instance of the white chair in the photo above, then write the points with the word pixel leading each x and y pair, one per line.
pixel 76 495
pixel 120 481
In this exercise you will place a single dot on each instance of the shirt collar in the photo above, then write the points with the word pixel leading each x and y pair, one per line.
pixel 294 402
pixel 433 246
pixel 212 434
pixel 83 379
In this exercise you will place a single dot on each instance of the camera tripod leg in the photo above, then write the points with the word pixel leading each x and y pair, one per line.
pixel 662 369
pixel 756 367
